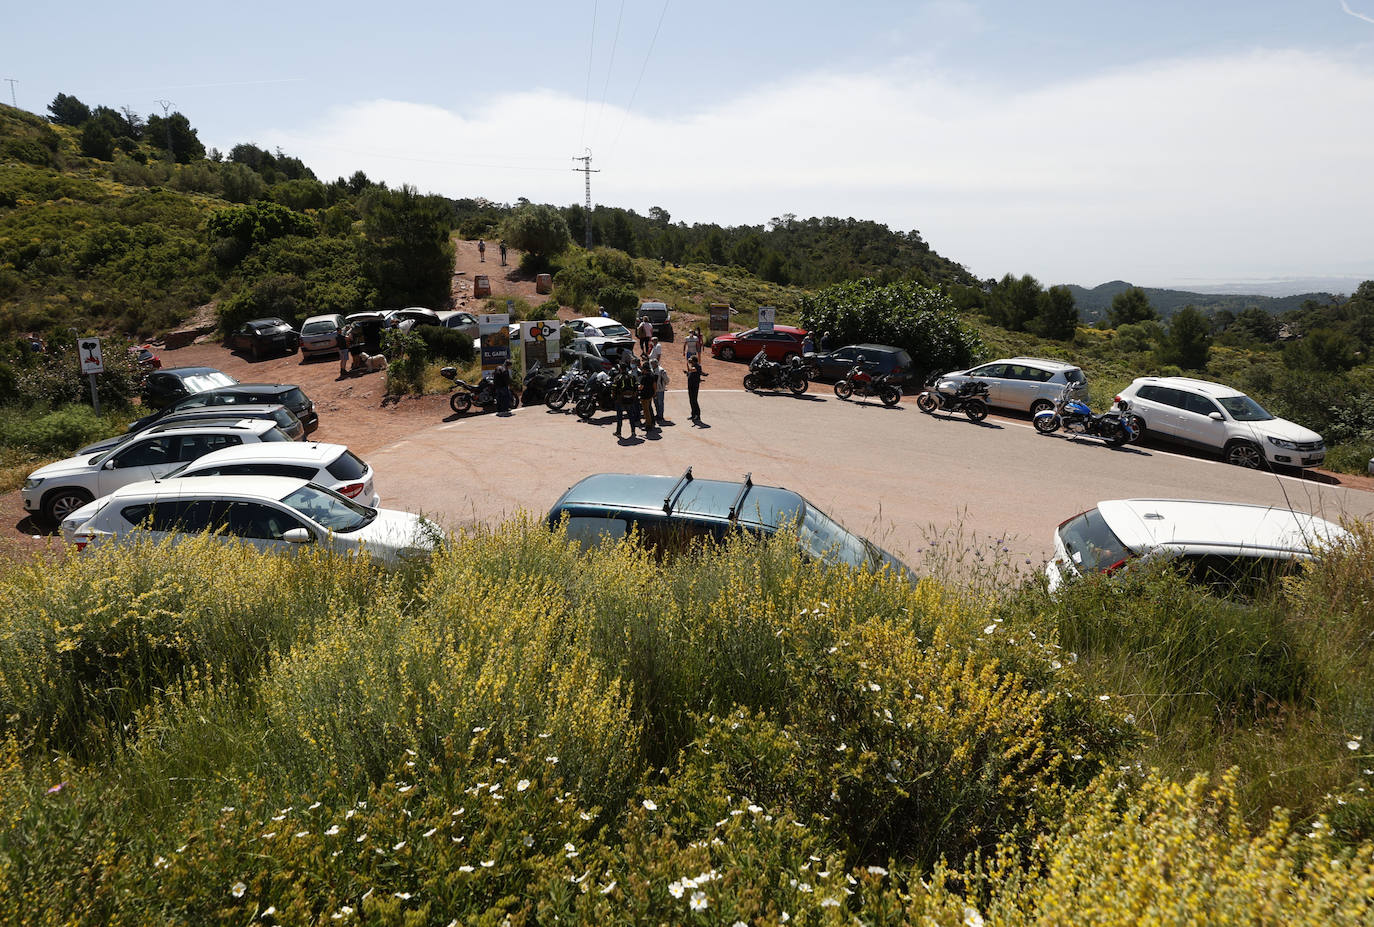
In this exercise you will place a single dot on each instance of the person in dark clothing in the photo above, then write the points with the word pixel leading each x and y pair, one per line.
pixel 648 385
pixel 503 254
pixel 500 381
pixel 827 344
pixel 694 375
pixel 625 387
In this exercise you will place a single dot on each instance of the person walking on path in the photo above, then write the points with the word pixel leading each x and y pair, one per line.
pixel 691 345
pixel 500 382
pixel 694 375
pixel 626 390
pixel 655 350
pixel 503 254
pixel 648 385
pixel 645 330
pixel 660 389
pixel 482 251
pixel 341 342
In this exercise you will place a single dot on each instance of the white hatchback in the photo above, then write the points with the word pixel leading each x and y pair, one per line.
pixel 332 466
pixel 271 513
pixel 1028 384
pixel 1215 417
pixel 1224 540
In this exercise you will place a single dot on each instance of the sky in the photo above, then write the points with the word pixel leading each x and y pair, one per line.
pixel 1167 143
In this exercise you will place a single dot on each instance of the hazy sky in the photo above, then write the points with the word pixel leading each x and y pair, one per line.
pixel 1165 143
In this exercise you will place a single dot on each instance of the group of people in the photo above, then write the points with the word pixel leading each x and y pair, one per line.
pixel 482 252
pixel 640 385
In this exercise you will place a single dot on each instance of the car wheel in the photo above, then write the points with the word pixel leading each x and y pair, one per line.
pixel 60 503
pixel 1040 405
pixel 727 353
pixel 1245 454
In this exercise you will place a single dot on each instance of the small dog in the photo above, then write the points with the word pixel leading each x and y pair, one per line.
pixel 371 363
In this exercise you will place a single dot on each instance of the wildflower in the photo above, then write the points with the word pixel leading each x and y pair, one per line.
pixel 842 747
pixel 314 806
pixel 360 838
pixel 332 831
pixel 57 788
pixel 477 730
pixel 270 911
pixel 1055 664
pixel 607 889
pixel 551 759
pixel 699 901
pixel 404 788
pixel 1104 698
pixel 349 813
pixel 584 815
pixel 990 628
pixel 399 845
pixel 237 889
pixel 269 835
pixel 877 871
pixel 488 863
pixel 226 809
pixel 874 687
pixel 522 785
pixel 649 805
pixel 972 918
pixel 528 841
pixel 404 896
pixel 1353 744
pixel 754 809
pixel 302 833
pixel 280 817
pixel 830 903
pixel 465 868
pixel 431 831
pixel 675 889
pixel 804 888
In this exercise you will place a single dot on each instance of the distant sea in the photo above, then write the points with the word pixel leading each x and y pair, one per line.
pixel 1273 286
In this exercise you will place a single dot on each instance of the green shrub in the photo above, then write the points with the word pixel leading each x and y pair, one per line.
pixel 446 344
pixel 58 432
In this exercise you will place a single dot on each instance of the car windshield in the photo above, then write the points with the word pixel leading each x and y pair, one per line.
pixel 1090 544
pixel 200 382
pixel 1244 409
pixel 329 509
pixel 613 331
pixel 828 540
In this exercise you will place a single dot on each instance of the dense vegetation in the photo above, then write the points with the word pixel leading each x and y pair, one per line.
pixel 733 735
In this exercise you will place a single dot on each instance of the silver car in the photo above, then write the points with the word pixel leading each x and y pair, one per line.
pixel 1027 384
pixel 319 335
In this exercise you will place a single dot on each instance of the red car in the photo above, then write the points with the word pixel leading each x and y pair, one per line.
pixel 779 344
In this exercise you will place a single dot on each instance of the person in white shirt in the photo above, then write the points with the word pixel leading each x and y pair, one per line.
pixel 655 351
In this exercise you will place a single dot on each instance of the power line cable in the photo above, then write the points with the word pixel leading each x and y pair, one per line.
pixel 642 68
pixel 615 43
pixel 587 93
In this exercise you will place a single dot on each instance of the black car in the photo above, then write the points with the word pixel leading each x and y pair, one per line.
pixel 879 358
pixel 669 514
pixel 286 420
pixel 167 386
pixel 261 337
pixel 658 316
pixel 286 394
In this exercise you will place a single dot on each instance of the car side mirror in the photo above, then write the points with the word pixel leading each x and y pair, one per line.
pixel 298 536
pixel 110 464
pixel 1215 416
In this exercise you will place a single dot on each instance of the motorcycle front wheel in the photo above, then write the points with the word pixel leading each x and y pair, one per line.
pixel 751 382
pixel 556 399
pixel 586 407
pixel 976 410
pixel 1046 424
pixel 798 383
pixel 890 395
pixel 460 402
pixel 843 390
pixel 927 403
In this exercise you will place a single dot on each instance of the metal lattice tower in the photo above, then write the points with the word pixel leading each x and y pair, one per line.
pixel 587 172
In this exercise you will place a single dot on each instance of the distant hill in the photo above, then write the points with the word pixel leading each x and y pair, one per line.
pixel 1093 304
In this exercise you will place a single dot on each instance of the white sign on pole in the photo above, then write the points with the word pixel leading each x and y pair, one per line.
pixel 494 332
pixel 766 314
pixel 91 359
pixel 539 342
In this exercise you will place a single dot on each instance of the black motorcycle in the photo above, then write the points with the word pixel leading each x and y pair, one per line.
pixel 536 385
pixel 969 397
pixel 597 395
pixel 565 389
pixel 772 376
pixel 466 395
pixel 859 382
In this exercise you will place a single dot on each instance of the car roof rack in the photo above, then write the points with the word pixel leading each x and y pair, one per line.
pixel 681 484
pixel 739 497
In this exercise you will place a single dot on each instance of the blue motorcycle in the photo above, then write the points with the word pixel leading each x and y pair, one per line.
pixel 1075 417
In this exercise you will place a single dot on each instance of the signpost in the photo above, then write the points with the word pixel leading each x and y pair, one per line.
pixel 766 314
pixel 494 331
pixel 92 363
pixel 539 342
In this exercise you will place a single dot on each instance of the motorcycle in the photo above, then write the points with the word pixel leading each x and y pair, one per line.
pixel 772 375
pixel 597 395
pixel 536 386
pixel 1076 417
pixel 565 389
pixel 969 397
pixel 859 382
pixel 482 393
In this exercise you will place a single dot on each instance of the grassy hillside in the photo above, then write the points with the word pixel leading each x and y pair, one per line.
pixel 1094 303
pixel 526 732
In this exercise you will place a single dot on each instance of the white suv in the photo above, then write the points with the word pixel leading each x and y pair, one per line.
pixel 1218 418
pixel 1029 384
pixel 60 488
pixel 332 466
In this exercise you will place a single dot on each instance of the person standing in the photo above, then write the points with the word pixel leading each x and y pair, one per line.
pixel 694 375
pixel 626 391
pixel 500 382
pixel 645 332
pixel 660 389
pixel 648 385
pixel 341 339
pixel 691 345
pixel 808 346
pixel 482 251
pixel 503 254
pixel 655 350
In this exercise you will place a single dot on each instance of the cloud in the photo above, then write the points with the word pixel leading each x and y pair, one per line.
pixel 1346 7
pixel 1252 164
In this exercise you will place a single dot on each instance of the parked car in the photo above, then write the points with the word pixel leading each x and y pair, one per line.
pixel 367 328
pixel 1027 384
pixel 608 337
pixel 671 512
pixel 1218 542
pixel 416 315
pixel 271 513
pixel 464 322
pixel 320 335
pixel 658 316
pixel 881 359
pixel 279 414
pixel 286 394
pixel 781 343
pixel 1217 418
pixel 58 489
pixel 261 337
pixel 332 466
pixel 166 386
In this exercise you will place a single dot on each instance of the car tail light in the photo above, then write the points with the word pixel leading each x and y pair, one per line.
pixel 352 490
pixel 1114 567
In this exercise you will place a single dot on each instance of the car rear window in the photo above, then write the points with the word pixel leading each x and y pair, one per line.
pixel 319 328
pixel 1073 375
pixel 1090 544
pixel 347 466
pixel 274 434
pixel 294 399
pixel 284 419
